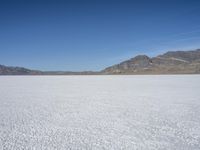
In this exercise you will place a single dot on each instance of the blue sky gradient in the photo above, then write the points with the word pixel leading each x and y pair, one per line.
pixel 82 35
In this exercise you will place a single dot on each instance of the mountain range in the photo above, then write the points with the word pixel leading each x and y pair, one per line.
pixel 172 62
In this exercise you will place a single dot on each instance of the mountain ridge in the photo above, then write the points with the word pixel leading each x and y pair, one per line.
pixel 171 62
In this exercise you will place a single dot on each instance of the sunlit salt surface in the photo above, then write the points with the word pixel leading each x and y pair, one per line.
pixel 100 112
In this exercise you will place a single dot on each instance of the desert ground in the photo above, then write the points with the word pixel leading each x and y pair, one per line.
pixel 145 112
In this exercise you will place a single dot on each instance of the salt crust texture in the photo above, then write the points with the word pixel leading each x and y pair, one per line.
pixel 100 112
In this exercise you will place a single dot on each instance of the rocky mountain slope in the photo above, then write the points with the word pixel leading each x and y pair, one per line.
pixel 173 62
pixel 7 70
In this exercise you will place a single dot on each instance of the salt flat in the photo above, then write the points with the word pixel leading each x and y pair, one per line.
pixel 100 112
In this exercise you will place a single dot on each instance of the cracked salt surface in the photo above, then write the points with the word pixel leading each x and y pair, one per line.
pixel 100 112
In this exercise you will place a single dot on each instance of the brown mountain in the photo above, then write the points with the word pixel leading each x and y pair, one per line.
pixel 173 62
pixel 7 70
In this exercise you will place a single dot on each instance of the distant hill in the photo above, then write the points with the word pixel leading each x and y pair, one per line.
pixel 7 70
pixel 173 62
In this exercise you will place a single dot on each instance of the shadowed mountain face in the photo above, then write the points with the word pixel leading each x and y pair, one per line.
pixel 5 70
pixel 176 62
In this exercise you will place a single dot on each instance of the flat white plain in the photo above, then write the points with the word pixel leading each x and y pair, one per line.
pixel 100 112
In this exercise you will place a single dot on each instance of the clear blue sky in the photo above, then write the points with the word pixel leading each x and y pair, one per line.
pixel 90 35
